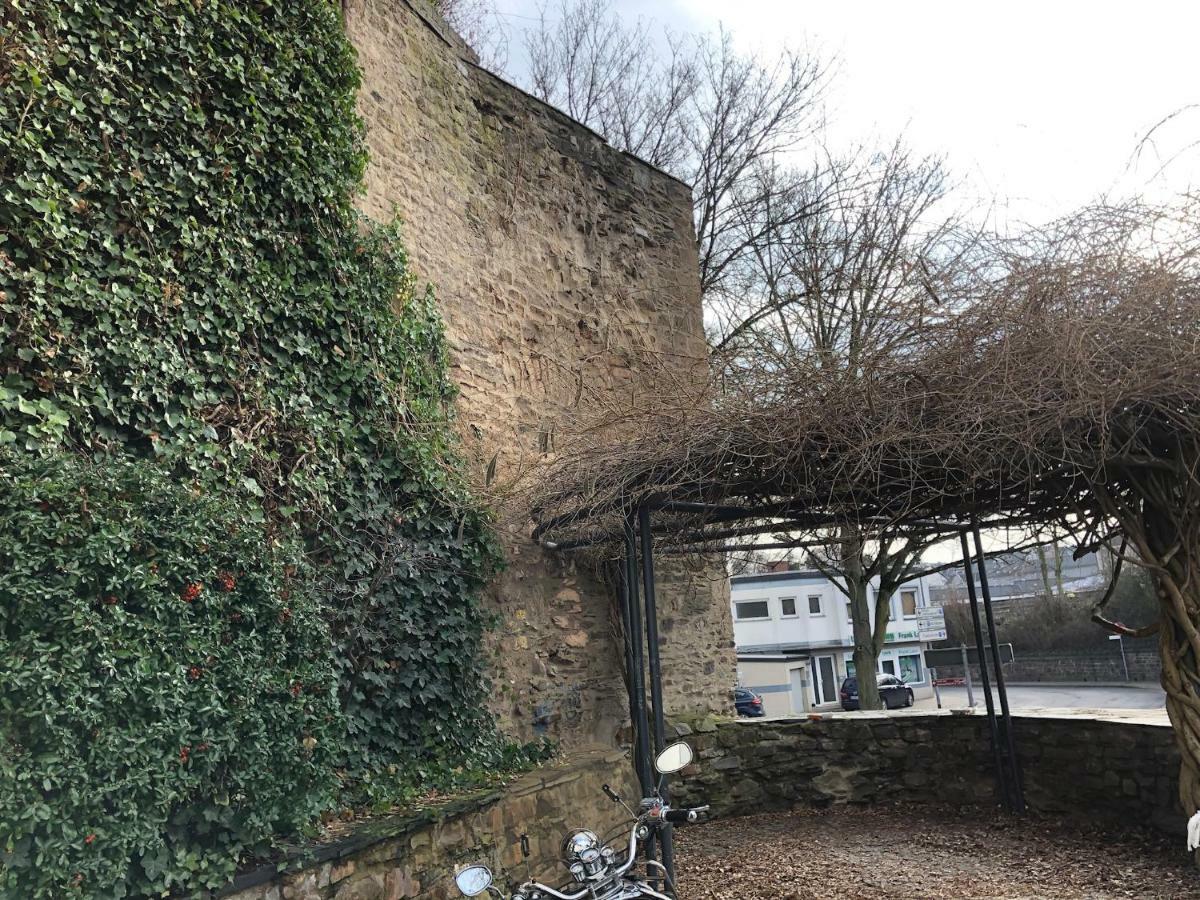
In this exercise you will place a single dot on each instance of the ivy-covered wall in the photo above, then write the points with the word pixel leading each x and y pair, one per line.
pixel 192 307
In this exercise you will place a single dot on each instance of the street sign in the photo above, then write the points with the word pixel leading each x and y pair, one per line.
pixel 931 623
pixel 949 682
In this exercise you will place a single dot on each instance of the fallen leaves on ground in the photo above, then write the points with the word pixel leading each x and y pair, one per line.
pixel 925 851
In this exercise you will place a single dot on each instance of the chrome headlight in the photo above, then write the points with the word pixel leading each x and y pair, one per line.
pixel 582 846
pixel 583 854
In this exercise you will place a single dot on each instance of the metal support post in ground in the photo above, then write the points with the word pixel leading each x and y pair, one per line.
pixel 637 673
pixel 1014 768
pixel 970 682
pixel 985 682
pixel 652 656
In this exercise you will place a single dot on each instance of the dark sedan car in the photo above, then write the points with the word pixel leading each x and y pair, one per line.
pixel 892 691
pixel 748 703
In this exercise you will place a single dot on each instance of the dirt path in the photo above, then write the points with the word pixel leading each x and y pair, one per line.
pixel 924 852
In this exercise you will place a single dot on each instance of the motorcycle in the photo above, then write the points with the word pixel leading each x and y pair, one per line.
pixel 594 866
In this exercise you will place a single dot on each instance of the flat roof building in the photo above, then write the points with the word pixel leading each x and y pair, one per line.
pixel 795 640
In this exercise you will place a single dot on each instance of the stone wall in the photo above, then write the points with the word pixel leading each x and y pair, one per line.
pixel 1082 765
pixel 415 856
pixel 556 261
pixel 1103 666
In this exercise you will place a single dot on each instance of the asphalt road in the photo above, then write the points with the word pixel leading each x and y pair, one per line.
pixel 1061 696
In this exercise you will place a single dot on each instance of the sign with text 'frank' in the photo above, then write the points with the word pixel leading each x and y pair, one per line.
pixel 931 623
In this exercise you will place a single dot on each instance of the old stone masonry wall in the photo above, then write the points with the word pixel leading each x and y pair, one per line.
pixel 1077 765
pixel 416 855
pixel 554 257
pixel 1104 667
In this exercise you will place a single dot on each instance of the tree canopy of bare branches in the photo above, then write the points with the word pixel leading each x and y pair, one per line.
pixel 1062 387
pixel 711 115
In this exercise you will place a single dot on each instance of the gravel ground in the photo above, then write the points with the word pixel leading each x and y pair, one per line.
pixel 924 852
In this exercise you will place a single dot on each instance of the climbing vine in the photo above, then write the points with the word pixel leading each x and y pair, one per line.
pixel 185 280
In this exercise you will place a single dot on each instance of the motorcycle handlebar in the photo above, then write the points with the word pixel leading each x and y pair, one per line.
pixel 683 816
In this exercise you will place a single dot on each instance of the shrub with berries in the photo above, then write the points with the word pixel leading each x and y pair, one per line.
pixel 174 732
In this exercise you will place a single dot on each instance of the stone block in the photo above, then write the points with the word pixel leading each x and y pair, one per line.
pixel 363 887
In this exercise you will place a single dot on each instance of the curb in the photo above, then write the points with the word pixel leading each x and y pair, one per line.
pixel 1140 685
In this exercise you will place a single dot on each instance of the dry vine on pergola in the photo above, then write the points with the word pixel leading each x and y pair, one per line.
pixel 1061 389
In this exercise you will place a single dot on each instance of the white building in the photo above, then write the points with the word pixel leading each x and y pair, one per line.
pixel 795 641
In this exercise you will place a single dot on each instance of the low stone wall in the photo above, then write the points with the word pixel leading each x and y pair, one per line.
pixel 1077 764
pixel 1144 666
pixel 414 856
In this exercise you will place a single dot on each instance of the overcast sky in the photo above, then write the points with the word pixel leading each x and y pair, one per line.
pixel 1038 107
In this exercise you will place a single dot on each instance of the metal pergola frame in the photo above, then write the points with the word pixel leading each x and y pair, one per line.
pixel 640 622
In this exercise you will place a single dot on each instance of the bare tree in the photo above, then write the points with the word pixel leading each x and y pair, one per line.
pixel 839 259
pixel 1066 394
pixel 870 263
pixel 716 118
pixel 479 23
pixel 869 257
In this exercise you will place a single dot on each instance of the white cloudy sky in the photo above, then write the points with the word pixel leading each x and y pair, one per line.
pixel 1037 106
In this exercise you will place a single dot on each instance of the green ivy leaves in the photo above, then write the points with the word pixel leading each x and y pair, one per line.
pixel 184 278
pixel 168 700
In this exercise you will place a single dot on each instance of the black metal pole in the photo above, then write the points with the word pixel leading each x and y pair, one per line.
pixel 637 675
pixel 652 656
pixel 985 682
pixel 1014 771
pixel 626 619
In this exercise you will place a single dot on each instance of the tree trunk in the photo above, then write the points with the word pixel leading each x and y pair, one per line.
pixel 865 657
pixel 1179 643
pixel 1049 591
pixel 1160 516
pixel 1058 567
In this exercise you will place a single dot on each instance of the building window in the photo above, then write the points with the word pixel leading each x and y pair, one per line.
pixel 908 604
pixel 910 668
pixel 751 609
pixel 849 614
pixel 888 666
pixel 788 606
pixel 814 605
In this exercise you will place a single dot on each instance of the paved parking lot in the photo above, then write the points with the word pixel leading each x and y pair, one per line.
pixel 1147 698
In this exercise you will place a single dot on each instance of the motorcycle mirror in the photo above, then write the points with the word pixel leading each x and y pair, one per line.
pixel 474 880
pixel 673 758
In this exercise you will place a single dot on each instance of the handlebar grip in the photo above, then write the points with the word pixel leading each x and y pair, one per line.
pixel 612 795
pixel 681 816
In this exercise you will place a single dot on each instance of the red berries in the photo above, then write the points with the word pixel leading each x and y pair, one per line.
pixel 226 582
pixel 190 592
pixel 184 753
pixel 194 672
pixel 296 689
pixel 285 615
pixel 88 840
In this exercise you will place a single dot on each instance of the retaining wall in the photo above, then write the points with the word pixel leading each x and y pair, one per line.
pixel 1112 769
pixel 414 856
pixel 1078 765
pixel 1144 666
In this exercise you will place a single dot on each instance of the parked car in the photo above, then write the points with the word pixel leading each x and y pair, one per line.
pixel 748 703
pixel 892 691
